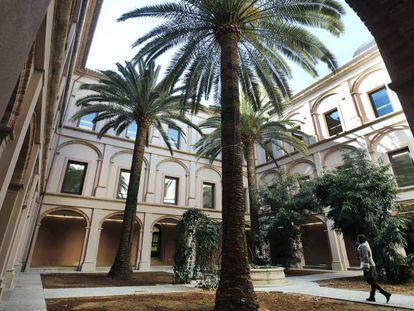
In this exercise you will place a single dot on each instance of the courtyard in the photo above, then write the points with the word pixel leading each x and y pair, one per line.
pixel 226 155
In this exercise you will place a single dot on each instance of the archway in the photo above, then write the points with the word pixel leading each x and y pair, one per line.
pixel 163 242
pixel 109 241
pixel 60 239
pixel 315 243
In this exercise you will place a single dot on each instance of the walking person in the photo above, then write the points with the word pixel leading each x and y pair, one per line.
pixel 368 265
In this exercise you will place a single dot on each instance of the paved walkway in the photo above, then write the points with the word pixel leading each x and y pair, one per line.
pixel 30 295
pixel 307 285
pixel 26 296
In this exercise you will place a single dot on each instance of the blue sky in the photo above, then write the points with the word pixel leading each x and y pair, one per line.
pixel 112 41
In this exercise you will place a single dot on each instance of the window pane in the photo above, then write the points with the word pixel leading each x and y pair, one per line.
pixel 74 177
pixel 132 130
pixel 381 102
pixel 174 137
pixel 170 190
pixel 123 184
pixel 269 152
pixel 208 195
pixel 86 122
pixel 403 167
pixel 296 134
pixel 333 122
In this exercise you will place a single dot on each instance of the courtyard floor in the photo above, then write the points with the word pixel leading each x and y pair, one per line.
pixel 358 283
pixel 297 293
pixel 202 301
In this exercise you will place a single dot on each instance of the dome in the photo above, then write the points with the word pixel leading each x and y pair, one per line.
pixel 364 47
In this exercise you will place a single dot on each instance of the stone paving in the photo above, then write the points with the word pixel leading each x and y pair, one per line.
pixel 26 296
pixel 30 295
pixel 307 285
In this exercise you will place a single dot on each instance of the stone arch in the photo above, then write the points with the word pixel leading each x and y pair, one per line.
pixel 81 142
pixel 267 173
pixel 320 99
pixel 72 209
pixel 209 167
pixel 111 159
pixel 363 76
pixel 187 172
pixel 381 133
pixel 110 233
pixel 301 161
pixel 60 238
pixel 335 149
pixel 117 213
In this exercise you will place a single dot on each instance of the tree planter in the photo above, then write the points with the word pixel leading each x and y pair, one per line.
pixel 268 276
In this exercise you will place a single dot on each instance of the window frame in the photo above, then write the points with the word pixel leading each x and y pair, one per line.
pixel 127 129
pixel 176 194
pixel 82 185
pixel 82 128
pixel 119 182
pixel 176 146
pixel 395 152
pixel 326 121
pixel 213 194
pixel 373 107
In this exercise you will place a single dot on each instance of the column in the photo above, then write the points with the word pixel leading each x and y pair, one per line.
pixel 152 175
pixel 92 241
pixel 145 251
pixel 339 263
pixel 192 185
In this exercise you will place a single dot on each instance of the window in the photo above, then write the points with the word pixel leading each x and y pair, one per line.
pixel 269 151
pixel 380 102
pixel 86 122
pixel 171 190
pixel 131 131
pixel 333 122
pixel 74 177
pixel 403 167
pixel 209 191
pixel 174 137
pixel 296 134
pixel 123 184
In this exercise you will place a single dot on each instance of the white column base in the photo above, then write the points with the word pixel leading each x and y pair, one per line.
pixel 9 279
pixel 337 266
pixel 88 267
pixel 144 266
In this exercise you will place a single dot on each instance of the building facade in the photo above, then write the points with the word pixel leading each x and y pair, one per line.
pixel 351 109
pixel 63 190
pixel 52 32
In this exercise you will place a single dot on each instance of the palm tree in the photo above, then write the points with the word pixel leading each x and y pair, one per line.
pixel 119 99
pixel 256 128
pixel 220 46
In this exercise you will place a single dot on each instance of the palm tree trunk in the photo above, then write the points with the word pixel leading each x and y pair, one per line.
pixel 235 291
pixel 254 204
pixel 121 268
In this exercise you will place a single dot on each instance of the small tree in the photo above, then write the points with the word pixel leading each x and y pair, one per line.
pixel 362 199
pixel 287 203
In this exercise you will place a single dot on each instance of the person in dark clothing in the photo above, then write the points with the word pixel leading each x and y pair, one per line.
pixel 370 271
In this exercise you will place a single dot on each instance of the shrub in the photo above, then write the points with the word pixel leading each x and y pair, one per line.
pixel 195 248
pixel 361 197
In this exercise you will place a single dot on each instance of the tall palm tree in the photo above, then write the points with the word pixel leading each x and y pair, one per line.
pixel 220 46
pixel 256 128
pixel 119 99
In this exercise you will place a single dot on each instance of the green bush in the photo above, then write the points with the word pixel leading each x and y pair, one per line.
pixel 195 248
pixel 362 199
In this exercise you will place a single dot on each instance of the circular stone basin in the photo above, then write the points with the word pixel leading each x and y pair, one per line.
pixel 268 276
